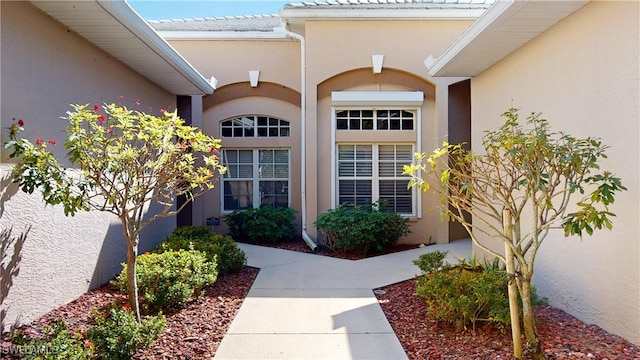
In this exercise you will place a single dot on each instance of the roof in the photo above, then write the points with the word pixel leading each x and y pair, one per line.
pixel 296 13
pixel 117 29
pixel 502 29
pixel 227 23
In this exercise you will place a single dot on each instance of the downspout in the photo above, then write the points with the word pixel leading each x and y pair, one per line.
pixel 303 128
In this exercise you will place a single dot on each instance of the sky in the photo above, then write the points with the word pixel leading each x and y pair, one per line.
pixel 172 9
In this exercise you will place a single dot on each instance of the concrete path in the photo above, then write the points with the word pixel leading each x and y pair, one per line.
pixel 305 306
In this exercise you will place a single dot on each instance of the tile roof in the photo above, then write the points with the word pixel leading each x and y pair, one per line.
pixel 226 23
pixel 266 23
pixel 386 4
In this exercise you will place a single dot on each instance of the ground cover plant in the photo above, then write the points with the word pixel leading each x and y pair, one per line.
pixel 522 185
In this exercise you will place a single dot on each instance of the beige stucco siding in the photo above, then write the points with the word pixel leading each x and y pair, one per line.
pixel 338 58
pixel 230 61
pixel 45 68
pixel 343 48
pixel 583 75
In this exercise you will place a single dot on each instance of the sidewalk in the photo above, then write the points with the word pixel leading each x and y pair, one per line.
pixel 305 306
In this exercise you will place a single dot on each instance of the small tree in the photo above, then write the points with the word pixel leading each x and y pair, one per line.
pixel 524 174
pixel 127 160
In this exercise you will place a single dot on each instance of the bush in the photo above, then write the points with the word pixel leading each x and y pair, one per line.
pixel 56 343
pixel 431 262
pixel 219 248
pixel 262 225
pixel 120 336
pixel 361 230
pixel 171 278
pixel 465 293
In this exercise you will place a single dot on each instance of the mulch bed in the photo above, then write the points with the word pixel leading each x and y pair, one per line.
pixel 195 331
pixel 562 335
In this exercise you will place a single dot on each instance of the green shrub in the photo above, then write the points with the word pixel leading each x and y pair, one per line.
pixel 171 278
pixel 361 230
pixel 56 343
pixel 219 248
pixel 431 262
pixel 266 224
pixel 120 336
pixel 465 293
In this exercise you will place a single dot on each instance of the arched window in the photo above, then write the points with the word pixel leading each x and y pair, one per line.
pixel 255 126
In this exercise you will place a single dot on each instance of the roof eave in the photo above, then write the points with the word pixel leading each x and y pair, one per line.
pixel 292 15
pixel 134 27
pixel 467 56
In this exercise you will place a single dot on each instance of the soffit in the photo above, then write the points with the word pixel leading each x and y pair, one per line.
pixel 502 29
pixel 118 30
pixel 296 14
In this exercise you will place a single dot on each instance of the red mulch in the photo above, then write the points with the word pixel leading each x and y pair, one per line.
pixel 562 335
pixel 195 332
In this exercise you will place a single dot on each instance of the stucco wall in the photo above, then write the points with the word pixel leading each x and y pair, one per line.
pixel 343 47
pixel 45 68
pixel 333 49
pixel 583 75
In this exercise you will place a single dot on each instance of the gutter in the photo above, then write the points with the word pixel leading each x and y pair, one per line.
pixel 303 128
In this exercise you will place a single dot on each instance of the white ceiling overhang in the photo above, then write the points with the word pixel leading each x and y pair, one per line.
pixel 117 29
pixel 295 18
pixel 503 28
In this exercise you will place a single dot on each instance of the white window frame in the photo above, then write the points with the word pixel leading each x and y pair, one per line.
pixel 361 100
pixel 257 197
pixel 255 126
pixel 375 176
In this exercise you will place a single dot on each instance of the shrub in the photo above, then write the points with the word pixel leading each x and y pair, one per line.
pixel 219 248
pixel 56 343
pixel 119 336
pixel 430 262
pixel 465 293
pixel 264 224
pixel 361 230
pixel 171 278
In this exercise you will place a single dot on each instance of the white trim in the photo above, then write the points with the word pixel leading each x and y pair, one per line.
pixel 503 28
pixel 300 15
pixel 373 98
pixel 477 28
pixel 334 160
pixel 418 149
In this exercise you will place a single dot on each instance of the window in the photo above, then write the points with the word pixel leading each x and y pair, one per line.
pixel 255 178
pixel 373 172
pixel 255 126
pixel 374 120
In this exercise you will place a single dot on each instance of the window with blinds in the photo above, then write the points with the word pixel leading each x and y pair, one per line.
pixel 373 172
pixel 261 172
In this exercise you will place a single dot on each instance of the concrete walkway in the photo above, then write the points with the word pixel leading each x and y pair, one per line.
pixel 305 306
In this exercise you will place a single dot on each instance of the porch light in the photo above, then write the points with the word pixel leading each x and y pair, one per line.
pixel 377 63
pixel 253 77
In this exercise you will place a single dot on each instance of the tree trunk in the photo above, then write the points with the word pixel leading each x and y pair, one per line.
pixel 528 319
pixel 132 283
pixel 511 287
